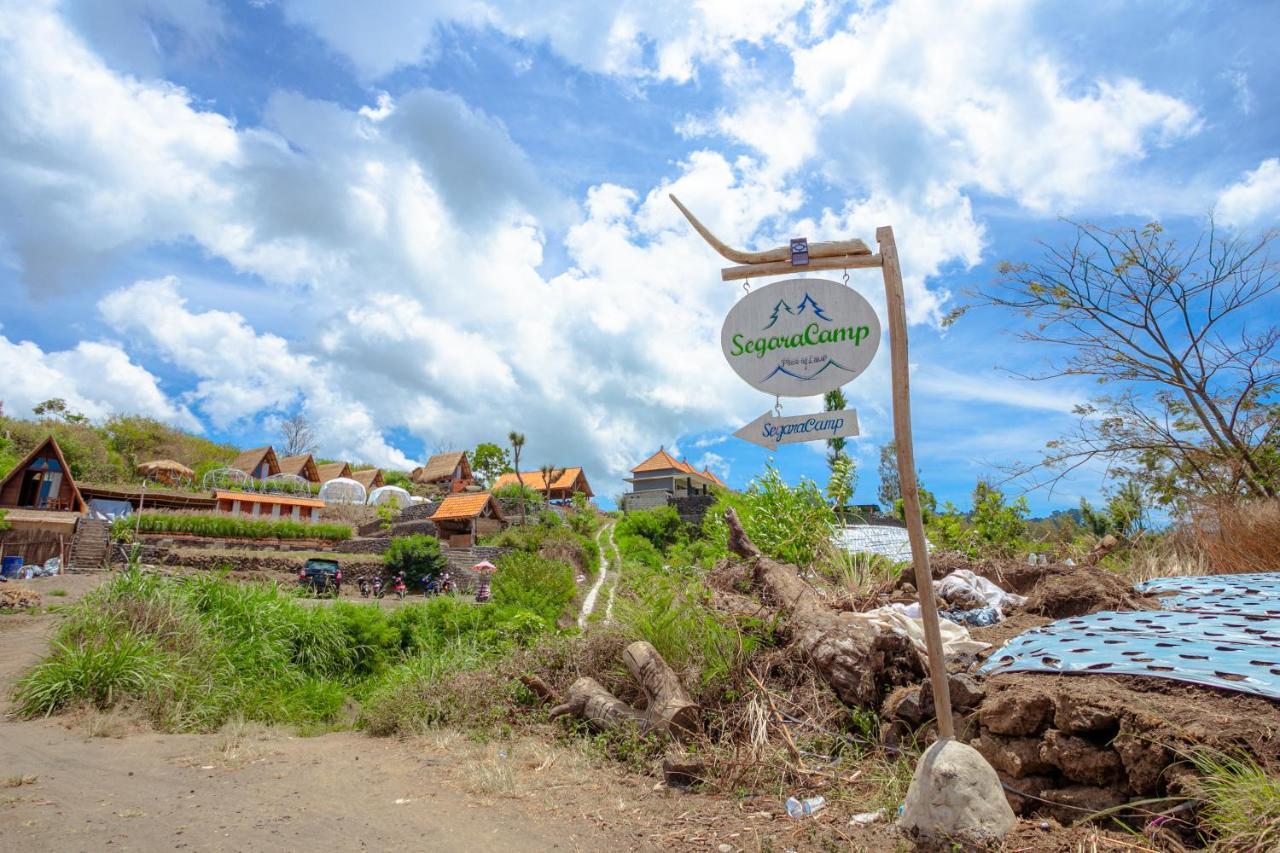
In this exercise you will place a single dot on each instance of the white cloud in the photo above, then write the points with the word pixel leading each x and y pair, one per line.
pixel 96 379
pixel 980 388
pixel 1253 199
pixel 659 39
pixel 242 373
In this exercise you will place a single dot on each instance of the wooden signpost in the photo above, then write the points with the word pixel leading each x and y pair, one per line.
pixel 841 255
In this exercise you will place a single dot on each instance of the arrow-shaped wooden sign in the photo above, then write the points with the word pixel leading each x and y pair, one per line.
pixel 769 430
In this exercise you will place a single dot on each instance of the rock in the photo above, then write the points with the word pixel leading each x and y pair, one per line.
pixel 1017 756
pixel 1081 761
pixel 912 705
pixel 1078 802
pixel 1072 715
pixel 1144 761
pixel 966 691
pixel 1016 711
pixel 955 797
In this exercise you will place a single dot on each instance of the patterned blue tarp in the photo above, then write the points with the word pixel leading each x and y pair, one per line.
pixel 1221 631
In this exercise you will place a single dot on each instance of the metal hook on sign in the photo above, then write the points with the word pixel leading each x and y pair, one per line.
pixel 777 406
pixel 846 277
pixel 746 285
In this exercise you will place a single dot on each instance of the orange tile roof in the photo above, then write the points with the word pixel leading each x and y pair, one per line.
pixel 255 498
pixel 534 479
pixel 465 505
pixel 658 462
pixel 706 472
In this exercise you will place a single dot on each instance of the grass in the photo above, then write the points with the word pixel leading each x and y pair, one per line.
pixel 1240 802
pixel 225 526
pixel 191 653
pixel 57 593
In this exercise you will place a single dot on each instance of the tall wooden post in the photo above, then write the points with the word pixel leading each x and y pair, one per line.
pixel 907 476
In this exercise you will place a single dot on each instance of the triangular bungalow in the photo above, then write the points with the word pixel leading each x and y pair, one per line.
pixel 259 463
pixel 370 478
pixel 303 466
pixel 451 471
pixel 42 481
pixel 332 471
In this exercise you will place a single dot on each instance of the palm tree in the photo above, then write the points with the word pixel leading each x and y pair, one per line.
pixel 517 444
pixel 549 474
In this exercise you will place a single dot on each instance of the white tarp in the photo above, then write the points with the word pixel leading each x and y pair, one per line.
pixel 905 619
pixel 962 585
pixel 883 539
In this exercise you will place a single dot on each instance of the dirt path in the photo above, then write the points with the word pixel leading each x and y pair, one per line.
pixel 617 577
pixel 589 603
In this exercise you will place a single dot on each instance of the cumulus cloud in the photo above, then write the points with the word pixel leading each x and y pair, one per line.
pixel 658 39
pixel 241 372
pixel 96 379
pixel 1254 198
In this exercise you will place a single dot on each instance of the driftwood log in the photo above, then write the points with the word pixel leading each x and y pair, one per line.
pixel 668 709
pixel 858 660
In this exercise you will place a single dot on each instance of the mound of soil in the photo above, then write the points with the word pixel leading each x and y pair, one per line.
pixel 1067 746
pixel 1064 591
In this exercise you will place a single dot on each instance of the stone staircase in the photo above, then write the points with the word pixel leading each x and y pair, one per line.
pixel 89 545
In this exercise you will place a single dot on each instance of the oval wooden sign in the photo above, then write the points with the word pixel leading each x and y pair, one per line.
pixel 800 337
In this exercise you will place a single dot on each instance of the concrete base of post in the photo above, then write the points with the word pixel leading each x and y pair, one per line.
pixel 955 797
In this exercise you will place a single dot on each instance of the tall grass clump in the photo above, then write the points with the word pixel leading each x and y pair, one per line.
pixel 1239 537
pixel 225 527
pixel 1239 802
pixel 193 652
pixel 542 586
pixel 672 611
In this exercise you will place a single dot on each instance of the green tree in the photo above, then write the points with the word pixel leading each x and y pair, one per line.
pixel 488 462
pixel 56 409
pixel 418 556
pixel 843 478
pixel 517 444
pixel 890 489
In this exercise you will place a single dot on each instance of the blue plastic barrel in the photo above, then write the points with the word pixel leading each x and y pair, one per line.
pixel 11 567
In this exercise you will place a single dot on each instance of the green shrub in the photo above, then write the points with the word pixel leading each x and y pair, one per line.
pixel 661 526
pixel 534 583
pixel 418 556
pixel 790 524
pixel 225 527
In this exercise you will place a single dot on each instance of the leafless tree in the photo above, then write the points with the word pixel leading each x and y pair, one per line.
pixel 297 434
pixel 1185 334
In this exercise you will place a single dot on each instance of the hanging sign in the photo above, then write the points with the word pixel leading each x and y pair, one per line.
pixel 769 430
pixel 800 337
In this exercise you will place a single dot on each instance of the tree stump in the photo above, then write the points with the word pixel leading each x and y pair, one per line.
pixel 668 709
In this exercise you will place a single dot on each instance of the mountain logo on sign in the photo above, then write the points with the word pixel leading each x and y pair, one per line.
pixel 808 303
pixel 815 375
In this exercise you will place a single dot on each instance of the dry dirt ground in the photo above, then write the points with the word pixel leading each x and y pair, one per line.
pixel 93 781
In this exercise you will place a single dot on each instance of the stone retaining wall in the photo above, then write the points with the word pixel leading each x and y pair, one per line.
pixel 172 540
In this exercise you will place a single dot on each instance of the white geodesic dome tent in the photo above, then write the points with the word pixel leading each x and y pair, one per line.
pixel 386 494
pixel 341 490
pixel 287 484
pixel 226 478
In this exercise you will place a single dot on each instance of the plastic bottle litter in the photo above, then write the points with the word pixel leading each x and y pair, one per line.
pixel 804 808
pixel 866 818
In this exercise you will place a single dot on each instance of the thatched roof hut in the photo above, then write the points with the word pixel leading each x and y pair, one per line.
pixel 303 466
pixel 166 471
pixel 333 471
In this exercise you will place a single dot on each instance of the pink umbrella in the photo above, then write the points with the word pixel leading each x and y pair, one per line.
pixel 484 566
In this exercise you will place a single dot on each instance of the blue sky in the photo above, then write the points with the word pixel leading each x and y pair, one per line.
pixel 424 225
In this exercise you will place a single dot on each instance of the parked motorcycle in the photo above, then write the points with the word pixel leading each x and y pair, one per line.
pixel 365 587
pixel 398 586
pixel 378 590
